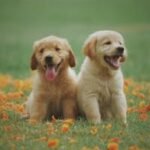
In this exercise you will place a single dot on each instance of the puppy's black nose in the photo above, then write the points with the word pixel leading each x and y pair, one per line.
pixel 120 50
pixel 48 59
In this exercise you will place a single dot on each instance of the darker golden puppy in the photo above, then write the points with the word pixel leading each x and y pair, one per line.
pixel 54 85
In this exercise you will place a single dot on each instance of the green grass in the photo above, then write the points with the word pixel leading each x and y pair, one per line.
pixel 23 22
pixel 29 136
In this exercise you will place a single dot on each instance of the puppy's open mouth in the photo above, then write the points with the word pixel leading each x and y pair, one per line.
pixel 114 61
pixel 51 71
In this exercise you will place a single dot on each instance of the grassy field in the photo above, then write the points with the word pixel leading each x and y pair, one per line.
pixel 24 21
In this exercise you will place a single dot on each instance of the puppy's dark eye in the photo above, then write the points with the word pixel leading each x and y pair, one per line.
pixel 57 49
pixel 107 43
pixel 120 43
pixel 41 50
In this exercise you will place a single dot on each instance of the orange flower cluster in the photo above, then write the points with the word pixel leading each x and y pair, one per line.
pixel 115 140
pixel 141 110
pixel 15 91
pixel 113 144
pixel 4 81
pixel 65 128
pixel 133 88
pixel 53 143
pixel 4 116
pixel 66 125
pixel 138 91
pixel 22 84
pixel 94 130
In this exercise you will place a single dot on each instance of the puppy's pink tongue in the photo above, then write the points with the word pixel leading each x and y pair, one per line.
pixel 50 73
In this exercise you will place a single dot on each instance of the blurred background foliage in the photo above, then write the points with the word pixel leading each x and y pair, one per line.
pixel 24 21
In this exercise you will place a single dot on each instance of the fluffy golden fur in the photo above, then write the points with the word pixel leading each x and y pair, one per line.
pixel 54 85
pixel 100 92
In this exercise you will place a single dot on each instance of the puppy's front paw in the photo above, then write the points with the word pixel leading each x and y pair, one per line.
pixel 125 124
pixel 95 120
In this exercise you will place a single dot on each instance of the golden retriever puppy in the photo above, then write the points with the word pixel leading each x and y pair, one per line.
pixel 100 92
pixel 55 83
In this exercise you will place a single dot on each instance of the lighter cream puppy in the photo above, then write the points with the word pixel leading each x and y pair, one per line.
pixel 55 83
pixel 100 82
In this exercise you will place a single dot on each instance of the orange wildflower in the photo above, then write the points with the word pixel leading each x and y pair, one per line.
pixel 4 116
pixel 128 82
pixel 53 143
pixel 4 80
pixel 65 128
pixel 115 140
pixel 143 116
pixel 113 146
pixel 143 110
pixel 138 94
pixel 148 108
pixel 22 84
pixel 68 121
pixel 141 95
pixel 19 109
pixel 14 95
pixel 94 130
pixel 138 87
pixel 109 126
pixel 7 128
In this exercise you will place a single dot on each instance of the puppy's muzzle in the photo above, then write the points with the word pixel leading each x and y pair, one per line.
pixel 119 51
pixel 49 60
pixel 116 58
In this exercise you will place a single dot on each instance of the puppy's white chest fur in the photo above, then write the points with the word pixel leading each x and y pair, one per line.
pixel 104 91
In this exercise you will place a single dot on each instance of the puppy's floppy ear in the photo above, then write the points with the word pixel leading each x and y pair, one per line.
pixel 89 47
pixel 71 58
pixel 34 62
